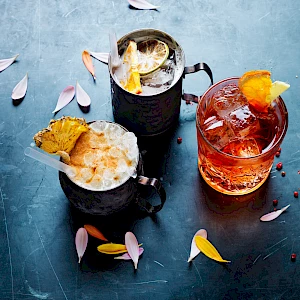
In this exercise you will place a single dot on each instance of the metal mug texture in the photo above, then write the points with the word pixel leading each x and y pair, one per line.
pixel 148 115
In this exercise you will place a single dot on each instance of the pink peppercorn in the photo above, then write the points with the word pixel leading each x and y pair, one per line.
pixel 279 166
pixel 293 256
pixel 296 194
pixel 277 154
pixel 179 140
pixel 275 202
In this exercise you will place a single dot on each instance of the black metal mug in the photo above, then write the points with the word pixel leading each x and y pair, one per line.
pixel 148 115
pixel 108 202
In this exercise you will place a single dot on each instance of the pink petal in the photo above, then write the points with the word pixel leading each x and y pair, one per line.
pixel 20 89
pixel 103 57
pixel 273 215
pixel 132 247
pixel 194 249
pixel 82 97
pixel 126 256
pixel 65 98
pixel 81 241
pixel 5 63
pixel 142 4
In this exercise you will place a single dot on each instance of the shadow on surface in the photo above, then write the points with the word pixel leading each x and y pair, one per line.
pixel 226 204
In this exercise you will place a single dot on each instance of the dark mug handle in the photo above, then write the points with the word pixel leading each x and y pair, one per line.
pixel 192 69
pixel 145 205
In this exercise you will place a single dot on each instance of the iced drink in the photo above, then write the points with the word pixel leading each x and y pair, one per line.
pixel 104 157
pixel 237 143
pixel 156 72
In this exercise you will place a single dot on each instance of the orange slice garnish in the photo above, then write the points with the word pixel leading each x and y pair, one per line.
pixel 132 83
pixel 256 86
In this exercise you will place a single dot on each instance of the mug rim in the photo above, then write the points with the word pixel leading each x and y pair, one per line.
pixel 174 81
pixel 126 178
pixel 258 156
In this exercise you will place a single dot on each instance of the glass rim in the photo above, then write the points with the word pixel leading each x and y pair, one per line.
pixel 279 140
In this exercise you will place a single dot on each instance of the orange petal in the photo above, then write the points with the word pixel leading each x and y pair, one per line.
pixel 87 60
pixel 93 231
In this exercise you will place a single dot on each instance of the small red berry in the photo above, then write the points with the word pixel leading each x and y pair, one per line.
pixel 275 208
pixel 279 150
pixel 275 202
pixel 279 166
pixel 277 154
pixel 293 257
pixel 282 173
pixel 296 194
pixel 179 140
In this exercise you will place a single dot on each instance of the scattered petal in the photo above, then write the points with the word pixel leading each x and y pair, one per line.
pixel 65 98
pixel 132 247
pixel 81 241
pixel 208 249
pixel 93 231
pixel 87 60
pixel 274 214
pixel 82 97
pixel 126 256
pixel 112 248
pixel 20 89
pixel 103 57
pixel 142 4
pixel 194 249
pixel 5 63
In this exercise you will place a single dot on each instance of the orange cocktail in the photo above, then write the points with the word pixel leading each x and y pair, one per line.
pixel 237 140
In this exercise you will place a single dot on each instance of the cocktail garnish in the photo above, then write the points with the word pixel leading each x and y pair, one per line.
pixel 152 54
pixel 132 82
pixel 259 90
pixel 194 249
pixel 93 231
pixel 81 241
pixel 61 135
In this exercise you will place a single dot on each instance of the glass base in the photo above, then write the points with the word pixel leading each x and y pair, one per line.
pixel 240 192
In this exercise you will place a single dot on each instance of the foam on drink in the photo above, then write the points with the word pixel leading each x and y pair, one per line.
pixel 104 157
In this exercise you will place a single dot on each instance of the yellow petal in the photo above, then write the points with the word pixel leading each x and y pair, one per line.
pixel 112 248
pixel 208 249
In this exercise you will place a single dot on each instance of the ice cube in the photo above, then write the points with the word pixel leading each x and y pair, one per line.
pixel 122 166
pixel 115 152
pixel 108 174
pixel 162 76
pixel 96 182
pixel 243 121
pixel 228 99
pixel 217 131
pixel 99 126
pixel 86 174
pixel 89 159
pixel 242 147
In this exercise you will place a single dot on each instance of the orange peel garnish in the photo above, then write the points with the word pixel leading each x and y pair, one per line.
pixel 256 86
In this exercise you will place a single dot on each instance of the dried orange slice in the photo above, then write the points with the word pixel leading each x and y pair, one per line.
pixel 130 60
pixel 255 86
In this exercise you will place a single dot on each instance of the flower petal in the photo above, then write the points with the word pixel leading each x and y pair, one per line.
pixel 208 249
pixel 5 63
pixel 132 247
pixel 93 231
pixel 142 4
pixel 194 249
pixel 87 60
pixel 103 57
pixel 274 214
pixel 82 97
pixel 65 98
pixel 81 241
pixel 20 89
pixel 126 256
pixel 112 248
